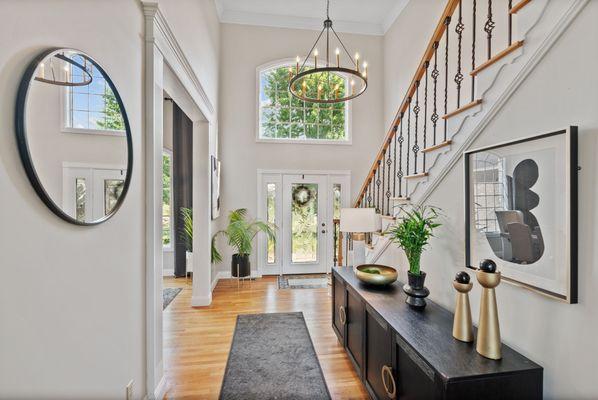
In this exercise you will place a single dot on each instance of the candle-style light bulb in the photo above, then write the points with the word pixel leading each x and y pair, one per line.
pixel 66 73
pixel 357 61
pixel 316 58
pixel 42 70
pixel 290 73
pixel 352 87
pixel 365 69
pixel 298 59
pixel 336 88
pixel 338 58
pixel 319 91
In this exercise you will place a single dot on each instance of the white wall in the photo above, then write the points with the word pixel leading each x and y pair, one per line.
pixel 244 48
pixel 404 45
pixel 561 91
pixel 71 298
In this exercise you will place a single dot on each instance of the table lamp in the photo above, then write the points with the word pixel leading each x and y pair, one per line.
pixel 358 222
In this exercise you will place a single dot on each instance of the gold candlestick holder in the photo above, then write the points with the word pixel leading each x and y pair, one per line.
pixel 488 343
pixel 462 325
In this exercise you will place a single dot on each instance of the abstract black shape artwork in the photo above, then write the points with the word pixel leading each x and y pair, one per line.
pixel 521 211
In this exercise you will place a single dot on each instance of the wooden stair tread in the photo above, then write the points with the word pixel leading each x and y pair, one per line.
pixel 437 146
pixel 462 109
pixel 519 6
pixel 497 57
pixel 416 176
pixel 400 198
pixel 388 217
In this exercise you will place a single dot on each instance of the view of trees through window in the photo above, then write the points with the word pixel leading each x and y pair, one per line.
pixel 166 193
pixel 304 226
pixel 282 116
pixel 92 106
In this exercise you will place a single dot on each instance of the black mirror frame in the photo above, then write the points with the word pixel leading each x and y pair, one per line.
pixel 23 146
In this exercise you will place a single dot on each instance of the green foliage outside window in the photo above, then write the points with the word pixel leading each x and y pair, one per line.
pixel 114 119
pixel 283 116
pixel 166 193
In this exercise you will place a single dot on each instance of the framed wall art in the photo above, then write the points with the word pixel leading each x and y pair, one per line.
pixel 521 211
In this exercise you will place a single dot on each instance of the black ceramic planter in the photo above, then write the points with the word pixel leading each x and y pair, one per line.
pixel 240 264
pixel 415 290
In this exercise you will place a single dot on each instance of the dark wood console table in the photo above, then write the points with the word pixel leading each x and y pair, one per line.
pixel 406 354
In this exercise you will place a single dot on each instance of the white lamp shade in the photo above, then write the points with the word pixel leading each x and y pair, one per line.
pixel 360 220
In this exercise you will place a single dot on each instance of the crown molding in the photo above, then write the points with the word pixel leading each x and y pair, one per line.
pixel 293 22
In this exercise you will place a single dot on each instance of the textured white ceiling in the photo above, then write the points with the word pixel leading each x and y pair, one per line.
pixel 372 17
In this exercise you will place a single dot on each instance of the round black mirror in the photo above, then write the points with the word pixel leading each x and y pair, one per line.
pixel 74 137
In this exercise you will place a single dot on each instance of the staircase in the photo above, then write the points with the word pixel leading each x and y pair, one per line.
pixel 479 53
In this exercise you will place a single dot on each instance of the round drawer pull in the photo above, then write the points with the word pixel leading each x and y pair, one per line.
pixel 387 371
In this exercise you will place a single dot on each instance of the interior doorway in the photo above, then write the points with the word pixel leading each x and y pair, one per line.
pixel 303 206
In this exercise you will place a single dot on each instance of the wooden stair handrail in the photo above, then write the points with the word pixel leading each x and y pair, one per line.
pixel 449 9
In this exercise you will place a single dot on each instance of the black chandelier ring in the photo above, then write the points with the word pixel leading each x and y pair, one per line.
pixel 336 70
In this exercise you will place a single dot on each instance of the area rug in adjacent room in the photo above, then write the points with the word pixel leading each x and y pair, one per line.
pixel 272 357
pixel 168 295
pixel 313 281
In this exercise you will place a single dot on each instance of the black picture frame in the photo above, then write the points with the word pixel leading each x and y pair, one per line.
pixel 571 135
pixel 23 146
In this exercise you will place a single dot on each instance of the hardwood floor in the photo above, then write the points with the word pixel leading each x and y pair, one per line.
pixel 197 340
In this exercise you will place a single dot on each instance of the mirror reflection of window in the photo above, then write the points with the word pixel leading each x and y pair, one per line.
pixel 80 198
pixel 93 106
pixel 113 188
pixel 489 191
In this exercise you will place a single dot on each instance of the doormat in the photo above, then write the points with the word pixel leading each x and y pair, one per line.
pixel 303 281
pixel 168 295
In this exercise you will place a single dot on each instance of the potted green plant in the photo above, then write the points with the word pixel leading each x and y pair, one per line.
pixel 186 234
pixel 412 232
pixel 240 234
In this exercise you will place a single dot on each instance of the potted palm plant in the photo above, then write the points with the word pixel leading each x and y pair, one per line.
pixel 186 234
pixel 412 232
pixel 240 234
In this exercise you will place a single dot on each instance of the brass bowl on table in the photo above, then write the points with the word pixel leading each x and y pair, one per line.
pixel 374 274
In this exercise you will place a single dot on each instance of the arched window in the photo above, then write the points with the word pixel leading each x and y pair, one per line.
pixel 284 118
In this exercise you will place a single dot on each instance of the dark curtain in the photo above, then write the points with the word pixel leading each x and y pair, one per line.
pixel 182 181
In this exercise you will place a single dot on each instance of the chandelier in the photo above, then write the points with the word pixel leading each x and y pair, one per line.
pixel 325 82
pixel 56 70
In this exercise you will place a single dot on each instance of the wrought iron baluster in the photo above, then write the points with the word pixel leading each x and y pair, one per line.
pixel 383 161
pixel 394 159
pixel 426 65
pixel 447 22
pixel 435 74
pixel 408 134
pixel 388 163
pixel 400 174
pixel 378 183
pixel 510 22
pixel 416 110
pixel 473 29
pixel 370 193
pixel 459 28
pixel 488 28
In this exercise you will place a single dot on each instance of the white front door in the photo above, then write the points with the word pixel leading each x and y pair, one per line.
pixel 304 207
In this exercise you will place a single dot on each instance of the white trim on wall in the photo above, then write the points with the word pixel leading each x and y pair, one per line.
pixel 167 66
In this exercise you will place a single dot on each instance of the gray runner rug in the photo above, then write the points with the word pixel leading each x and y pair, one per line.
pixel 272 357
